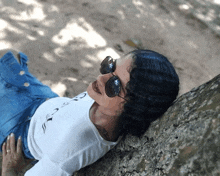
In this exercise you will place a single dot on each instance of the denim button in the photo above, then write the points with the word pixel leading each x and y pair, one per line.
pixel 26 84
pixel 21 73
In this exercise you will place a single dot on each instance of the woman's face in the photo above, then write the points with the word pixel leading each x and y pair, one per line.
pixel 111 105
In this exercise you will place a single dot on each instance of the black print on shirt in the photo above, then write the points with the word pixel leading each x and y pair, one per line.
pixel 49 117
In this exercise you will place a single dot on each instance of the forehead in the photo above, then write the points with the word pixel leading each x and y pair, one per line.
pixel 124 62
pixel 124 58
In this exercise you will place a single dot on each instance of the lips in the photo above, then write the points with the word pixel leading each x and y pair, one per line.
pixel 95 87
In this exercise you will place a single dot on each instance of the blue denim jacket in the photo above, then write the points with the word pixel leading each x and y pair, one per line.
pixel 20 95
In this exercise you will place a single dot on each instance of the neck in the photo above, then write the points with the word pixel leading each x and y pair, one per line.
pixel 105 122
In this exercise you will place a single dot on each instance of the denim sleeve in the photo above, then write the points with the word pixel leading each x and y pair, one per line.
pixel 21 94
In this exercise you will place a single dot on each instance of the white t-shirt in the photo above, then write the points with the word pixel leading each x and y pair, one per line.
pixel 63 138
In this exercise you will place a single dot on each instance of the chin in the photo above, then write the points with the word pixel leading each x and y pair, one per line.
pixel 91 92
pixel 89 89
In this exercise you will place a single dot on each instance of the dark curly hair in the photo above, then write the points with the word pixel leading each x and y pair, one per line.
pixel 153 86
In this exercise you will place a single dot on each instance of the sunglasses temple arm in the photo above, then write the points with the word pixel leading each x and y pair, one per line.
pixel 122 98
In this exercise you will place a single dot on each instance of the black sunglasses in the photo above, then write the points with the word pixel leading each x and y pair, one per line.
pixel 113 86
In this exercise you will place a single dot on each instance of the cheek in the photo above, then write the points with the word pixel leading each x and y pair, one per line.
pixel 92 93
pixel 112 103
pixel 89 90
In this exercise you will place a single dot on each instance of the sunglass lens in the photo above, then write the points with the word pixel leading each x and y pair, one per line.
pixel 107 65
pixel 113 87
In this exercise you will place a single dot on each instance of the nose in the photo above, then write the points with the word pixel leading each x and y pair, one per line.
pixel 102 79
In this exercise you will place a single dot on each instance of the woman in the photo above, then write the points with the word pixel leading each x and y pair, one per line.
pixel 67 134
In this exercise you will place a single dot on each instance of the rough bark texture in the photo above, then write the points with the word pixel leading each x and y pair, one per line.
pixel 185 141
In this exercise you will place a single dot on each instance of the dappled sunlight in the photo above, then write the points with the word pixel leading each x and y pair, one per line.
pixel 93 58
pixel 85 82
pixel 172 23
pixel 107 52
pixel 149 12
pixel 207 11
pixel 8 9
pixel 7 27
pixel 33 11
pixel 192 44
pixel 153 6
pixel 184 7
pixel 2 35
pixel 23 24
pixel 3 24
pixel 42 33
pixel 30 2
pixel 14 30
pixel 217 28
pixel 79 29
pixel 166 21
pixel 49 23
pixel 137 3
pixel 48 56
pixel 121 13
pixel 71 79
pixel 160 21
pixel 31 38
pixel 5 45
pixel 53 9
pixel 59 51
pixel 59 88
pixel 140 6
pixel 209 16
pixel 216 2
pixel 85 64
pixel 67 40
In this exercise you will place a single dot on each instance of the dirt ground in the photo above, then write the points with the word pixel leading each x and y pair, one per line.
pixel 66 40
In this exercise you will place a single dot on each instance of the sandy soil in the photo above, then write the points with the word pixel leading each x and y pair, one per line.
pixel 66 40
